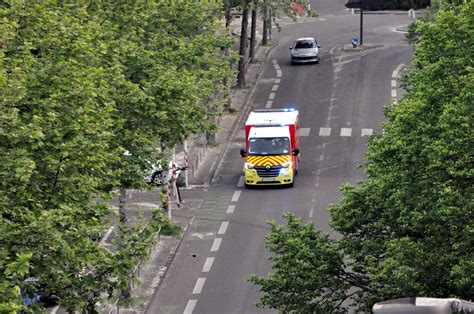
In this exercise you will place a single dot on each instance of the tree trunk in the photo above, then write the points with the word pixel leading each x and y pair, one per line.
pixel 225 82
pixel 122 200
pixel 253 32
pixel 125 292
pixel 241 77
pixel 265 26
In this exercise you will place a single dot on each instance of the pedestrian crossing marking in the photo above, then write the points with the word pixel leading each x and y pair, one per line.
pixel 304 131
pixel 346 131
pixel 324 131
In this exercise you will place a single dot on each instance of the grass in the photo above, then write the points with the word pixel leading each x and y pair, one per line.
pixel 171 230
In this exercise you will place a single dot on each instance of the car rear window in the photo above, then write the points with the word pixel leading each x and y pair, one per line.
pixel 303 44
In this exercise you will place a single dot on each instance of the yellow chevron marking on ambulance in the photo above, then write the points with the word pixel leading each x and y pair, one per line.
pixel 268 160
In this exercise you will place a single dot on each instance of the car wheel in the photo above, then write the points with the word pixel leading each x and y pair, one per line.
pixel 157 178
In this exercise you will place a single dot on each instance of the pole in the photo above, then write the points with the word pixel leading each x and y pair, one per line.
pixel 186 163
pixel 361 22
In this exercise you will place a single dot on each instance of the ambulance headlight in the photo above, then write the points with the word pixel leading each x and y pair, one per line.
pixel 248 165
pixel 287 164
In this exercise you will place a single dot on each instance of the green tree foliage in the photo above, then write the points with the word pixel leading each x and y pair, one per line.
pixel 408 229
pixel 81 83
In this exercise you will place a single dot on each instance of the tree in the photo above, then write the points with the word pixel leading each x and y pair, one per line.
pixel 407 229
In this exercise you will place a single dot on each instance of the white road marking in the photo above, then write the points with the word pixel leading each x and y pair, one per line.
pixel 241 182
pixel 223 227
pixel 106 236
pixel 216 244
pixel 275 61
pixel 151 205
pixel 394 101
pixel 199 284
pixel 190 307
pixel 275 87
pixel 324 131
pixel 272 96
pixel 277 67
pixel 332 50
pixel 277 81
pixel 366 132
pixel 269 104
pixel 236 196
pixel 304 131
pixel 346 131
pixel 311 212
pixel 208 264
pixel 397 69
pixel 394 83
pixel 279 74
pixel 230 209
pixel 201 235
pixel 394 93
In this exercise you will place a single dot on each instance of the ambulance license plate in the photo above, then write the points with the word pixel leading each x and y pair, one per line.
pixel 268 179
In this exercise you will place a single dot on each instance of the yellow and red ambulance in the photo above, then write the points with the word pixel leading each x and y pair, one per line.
pixel 271 147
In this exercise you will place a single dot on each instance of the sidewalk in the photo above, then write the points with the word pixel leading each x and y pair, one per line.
pixel 204 163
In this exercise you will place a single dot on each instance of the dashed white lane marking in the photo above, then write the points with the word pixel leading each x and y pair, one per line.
pixel 394 93
pixel 366 132
pixel 272 96
pixel 106 236
pixel 236 196
pixel 277 67
pixel 394 83
pixel 216 244
pixel 190 307
pixel 346 131
pixel 223 227
pixel 241 182
pixel 199 284
pixel 304 131
pixel 275 87
pixel 279 74
pixel 324 131
pixel 275 61
pixel 269 104
pixel 311 212
pixel 230 209
pixel 208 264
pixel 277 81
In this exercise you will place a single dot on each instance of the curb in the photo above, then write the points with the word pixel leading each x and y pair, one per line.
pixel 245 108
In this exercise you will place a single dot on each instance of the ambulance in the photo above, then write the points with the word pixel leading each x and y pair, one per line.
pixel 271 147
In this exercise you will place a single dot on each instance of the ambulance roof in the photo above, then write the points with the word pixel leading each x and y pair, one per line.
pixel 272 117
pixel 269 132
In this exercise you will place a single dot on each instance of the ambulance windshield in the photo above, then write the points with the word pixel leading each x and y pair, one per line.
pixel 262 146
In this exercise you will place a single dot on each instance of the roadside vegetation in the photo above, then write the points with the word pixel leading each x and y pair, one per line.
pixel 91 91
pixel 408 229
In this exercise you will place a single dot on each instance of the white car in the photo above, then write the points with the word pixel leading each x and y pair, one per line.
pixel 305 50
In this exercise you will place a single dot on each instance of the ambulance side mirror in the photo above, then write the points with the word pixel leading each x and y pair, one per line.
pixel 243 153
pixel 296 152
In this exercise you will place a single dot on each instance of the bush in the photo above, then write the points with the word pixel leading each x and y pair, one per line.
pixel 396 4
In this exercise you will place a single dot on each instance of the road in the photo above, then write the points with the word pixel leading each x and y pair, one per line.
pixel 341 102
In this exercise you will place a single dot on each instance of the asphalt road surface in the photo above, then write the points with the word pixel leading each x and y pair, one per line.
pixel 341 102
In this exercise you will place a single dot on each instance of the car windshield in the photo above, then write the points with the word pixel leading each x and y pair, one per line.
pixel 269 146
pixel 304 44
